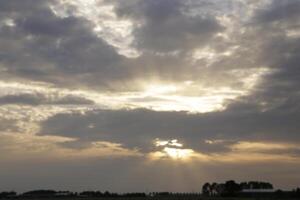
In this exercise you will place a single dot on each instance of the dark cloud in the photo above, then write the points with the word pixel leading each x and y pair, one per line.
pixel 14 6
pixel 280 11
pixel 139 128
pixel 279 89
pixel 165 27
pixel 45 23
pixel 65 51
pixel 42 99
pixel 42 46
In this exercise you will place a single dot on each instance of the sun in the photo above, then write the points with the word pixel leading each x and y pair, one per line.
pixel 178 154
pixel 171 149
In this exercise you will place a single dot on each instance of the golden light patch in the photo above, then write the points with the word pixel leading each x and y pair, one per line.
pixel 159 97
pixel 160 89
pixel 168 143
pixel 175 153
pixel 261 146
pixel 171 149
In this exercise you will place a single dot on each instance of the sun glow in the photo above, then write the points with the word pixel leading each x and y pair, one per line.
pixel 160 89
pixel 175 153
pixel 168 143
pixel 185 96
pixel 171 149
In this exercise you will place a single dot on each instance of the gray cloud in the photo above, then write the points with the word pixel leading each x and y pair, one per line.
pixel 280 11
pixel 139 128
pixel 166 27
pixel 54 49
pixel 66 51
pixel 279 89
pixel 42 99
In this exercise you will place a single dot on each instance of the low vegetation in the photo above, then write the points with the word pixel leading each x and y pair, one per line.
pixel 210 191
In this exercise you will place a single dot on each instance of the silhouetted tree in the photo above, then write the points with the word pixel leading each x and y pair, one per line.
pixel 6 195
pixel 40 193
pixel 231 188
pixel 135 195
pixel 214 189
pixel 256 185
pixel 206 189
pixel 244 186
pixel 220 189
pixel 91 194
pixel 107 194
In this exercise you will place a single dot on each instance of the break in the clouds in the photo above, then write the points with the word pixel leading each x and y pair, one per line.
pixel 118 91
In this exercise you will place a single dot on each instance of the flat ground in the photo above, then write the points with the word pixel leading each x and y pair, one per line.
pixel 151 198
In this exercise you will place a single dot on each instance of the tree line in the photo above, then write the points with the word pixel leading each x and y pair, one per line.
pixel 230 188
pixel 58 194
pixel 87 194
pixel 227 189
pixel 253 189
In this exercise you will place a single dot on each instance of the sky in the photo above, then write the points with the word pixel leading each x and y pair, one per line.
pixel 148 95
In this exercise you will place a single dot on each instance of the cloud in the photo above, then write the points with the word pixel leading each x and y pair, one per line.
pixel 57 49
pixel 66 49
pixel 276 31
pixel 164 27
pixel 41 99
pixel 138 128
pixel 266 148
pixel 16 147
pixel 280 11
pixel 7 125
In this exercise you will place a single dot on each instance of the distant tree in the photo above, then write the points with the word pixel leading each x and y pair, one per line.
pixel 5 195
pixel 267 186
pixel 231 188
pixel 297 193
pixel 206 188
pixel 244 186
pixel 107 194
pixel 279 193
pixel 256 185
pixel 40 193
pixel 135 195
pixel 162 194
pixel 220 189
pixel 91 194
pixel 214 189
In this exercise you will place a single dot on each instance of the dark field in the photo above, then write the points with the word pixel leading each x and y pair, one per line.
pixel 160 198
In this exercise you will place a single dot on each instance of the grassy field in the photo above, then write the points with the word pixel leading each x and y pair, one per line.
pixel 153 198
